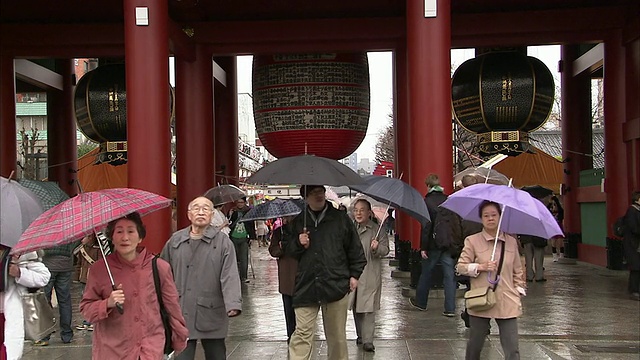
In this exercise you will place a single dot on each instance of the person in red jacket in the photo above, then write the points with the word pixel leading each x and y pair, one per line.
pixel 138 332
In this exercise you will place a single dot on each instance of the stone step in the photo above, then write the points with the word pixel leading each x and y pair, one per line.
pixel 394 262
pixel 400 274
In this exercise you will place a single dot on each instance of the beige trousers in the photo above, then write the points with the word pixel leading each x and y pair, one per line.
pixel 334 316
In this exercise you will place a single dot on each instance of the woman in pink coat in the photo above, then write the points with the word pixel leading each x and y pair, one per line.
pixel 138 333
pixel 475 262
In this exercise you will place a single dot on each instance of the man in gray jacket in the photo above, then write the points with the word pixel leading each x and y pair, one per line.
pixel 204 267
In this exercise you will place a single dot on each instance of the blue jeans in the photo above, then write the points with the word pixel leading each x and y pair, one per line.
pixel 449 281
pixel 62 283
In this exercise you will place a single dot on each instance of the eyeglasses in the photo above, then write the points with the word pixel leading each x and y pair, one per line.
pixel 204 209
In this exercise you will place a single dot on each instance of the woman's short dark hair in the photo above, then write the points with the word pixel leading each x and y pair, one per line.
pixel 635 196
pixel 135 217
pixel 486 203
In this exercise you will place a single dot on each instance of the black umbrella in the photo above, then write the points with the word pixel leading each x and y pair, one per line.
pixel 537 191
pixel 305 170
pixel 397 193
pixel 223 194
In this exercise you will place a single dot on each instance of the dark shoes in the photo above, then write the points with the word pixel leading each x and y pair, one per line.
pixel 465 317
pixel 358 341
pixel 541 280
pixel 368 347
pixel 414 303
pixel 449 314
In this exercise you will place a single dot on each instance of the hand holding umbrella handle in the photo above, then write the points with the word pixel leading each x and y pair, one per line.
pixel 304 238
pixel 119 306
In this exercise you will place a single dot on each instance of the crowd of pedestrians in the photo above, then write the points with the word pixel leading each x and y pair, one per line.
pixel 329 260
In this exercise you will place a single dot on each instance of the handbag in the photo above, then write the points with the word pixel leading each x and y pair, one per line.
pixel 484 298
pixel 164 315
pixel 39 319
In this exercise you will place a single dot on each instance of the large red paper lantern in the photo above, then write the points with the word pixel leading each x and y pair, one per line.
pixel 311 103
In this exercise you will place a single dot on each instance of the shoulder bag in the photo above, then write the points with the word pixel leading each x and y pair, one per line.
pixel 163 312
pixel 39 320
pixel 484 298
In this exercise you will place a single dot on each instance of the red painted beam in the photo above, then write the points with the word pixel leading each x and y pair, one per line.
pixel 237 37
pixel 232 32
pixel 586 194
pixel 532 22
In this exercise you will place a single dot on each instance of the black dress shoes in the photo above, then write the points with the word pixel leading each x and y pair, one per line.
pixel 368 347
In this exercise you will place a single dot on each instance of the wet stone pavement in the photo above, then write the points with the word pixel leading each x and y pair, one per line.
pixel 581 312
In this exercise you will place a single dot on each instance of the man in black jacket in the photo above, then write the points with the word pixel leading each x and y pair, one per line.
pixel 330 258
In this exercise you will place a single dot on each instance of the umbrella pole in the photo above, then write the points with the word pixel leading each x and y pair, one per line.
pixel 101 242
pixel 495 243
pixel 388 205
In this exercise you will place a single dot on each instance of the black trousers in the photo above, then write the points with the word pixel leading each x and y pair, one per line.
pixel 214 349
pixel 634 281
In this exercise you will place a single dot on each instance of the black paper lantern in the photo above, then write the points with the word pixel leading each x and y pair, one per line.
pixel 100 102
pixel 502 96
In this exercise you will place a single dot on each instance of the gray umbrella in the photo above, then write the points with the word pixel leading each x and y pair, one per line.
pixel 305 170
pixel 18 208
pixel 397 193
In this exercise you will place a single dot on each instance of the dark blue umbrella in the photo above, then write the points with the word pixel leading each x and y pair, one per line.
pixel 272 209
pixel 397 193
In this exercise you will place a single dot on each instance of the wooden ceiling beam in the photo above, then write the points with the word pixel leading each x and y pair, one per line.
pixel 243 37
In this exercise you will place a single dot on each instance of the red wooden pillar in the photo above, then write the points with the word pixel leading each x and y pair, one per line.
pixel 8 146
pixel 615 159
pixel 194 130
pixel 226 114
pixel 62 143
pixel 576 134
pixel 631 127
pixel 148 131
pixel 402 135
pixel 429 78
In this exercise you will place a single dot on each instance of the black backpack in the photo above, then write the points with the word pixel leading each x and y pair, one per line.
pixel 443 229
pixel 618 226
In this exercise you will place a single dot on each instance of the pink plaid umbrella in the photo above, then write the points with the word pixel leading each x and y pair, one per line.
pixel 79 216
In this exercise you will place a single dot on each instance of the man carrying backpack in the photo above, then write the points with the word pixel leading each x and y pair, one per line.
pixel 436 248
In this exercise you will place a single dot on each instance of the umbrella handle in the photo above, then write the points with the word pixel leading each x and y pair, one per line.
pixel 119 306
pixel 493 282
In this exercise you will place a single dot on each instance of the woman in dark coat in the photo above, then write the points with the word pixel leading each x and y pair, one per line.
pixel 631 241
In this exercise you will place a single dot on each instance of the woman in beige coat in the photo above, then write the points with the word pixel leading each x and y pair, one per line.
pixel 365 301
pixel 475 262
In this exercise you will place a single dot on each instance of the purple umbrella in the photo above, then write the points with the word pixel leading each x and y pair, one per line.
pixel 521 213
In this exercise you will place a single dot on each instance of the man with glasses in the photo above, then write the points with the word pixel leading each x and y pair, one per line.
pixel 204 267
